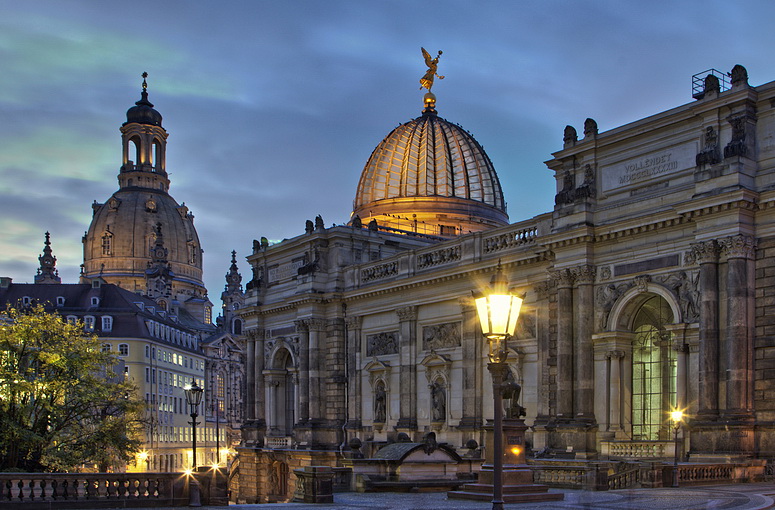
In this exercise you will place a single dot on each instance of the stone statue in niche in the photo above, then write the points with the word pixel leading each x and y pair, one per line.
pixel 438 402
pixel 380 404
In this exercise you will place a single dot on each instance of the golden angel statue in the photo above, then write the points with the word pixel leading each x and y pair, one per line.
pixel 433 64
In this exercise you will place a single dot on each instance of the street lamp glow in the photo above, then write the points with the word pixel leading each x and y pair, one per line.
pixel 677 416
pixel 498 311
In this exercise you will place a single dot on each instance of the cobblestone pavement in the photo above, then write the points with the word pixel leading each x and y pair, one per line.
pixel 755 496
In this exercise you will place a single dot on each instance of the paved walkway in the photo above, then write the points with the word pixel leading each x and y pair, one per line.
pixel 754 496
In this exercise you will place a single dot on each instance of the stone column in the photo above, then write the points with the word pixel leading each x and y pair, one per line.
pixel 250 377
pixel 583 355
pixel 706 255
pixel 317 368
pixel 614 361
pixel 408 369
pixel 354 397
pixel 304 377
pixel 564 381
pixel 738 250
pixel 544 350
pixel 472 341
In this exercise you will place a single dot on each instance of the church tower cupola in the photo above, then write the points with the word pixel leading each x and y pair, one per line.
pixel 144 143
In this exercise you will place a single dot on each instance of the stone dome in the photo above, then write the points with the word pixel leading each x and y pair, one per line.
pixel 430 176
pixel 141 238
pixel 123 232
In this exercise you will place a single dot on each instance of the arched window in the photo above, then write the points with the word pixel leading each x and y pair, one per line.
pixel 237 327
pixel 107 244
pixel 123 349
pixel 106 347
pixel 653 370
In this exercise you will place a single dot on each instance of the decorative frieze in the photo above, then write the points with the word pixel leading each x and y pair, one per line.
pixel 685 287
pixel 382 343
pixel 441 336
pixel 379 272
pixel 510 239
pixel 438 257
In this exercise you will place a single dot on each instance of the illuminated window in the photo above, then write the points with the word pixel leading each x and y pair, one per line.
pixel 88 323
pixel 653 371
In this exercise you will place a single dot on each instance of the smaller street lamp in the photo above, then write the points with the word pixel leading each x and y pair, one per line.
pixel 677 416
pixel 498 311
pixel 193 399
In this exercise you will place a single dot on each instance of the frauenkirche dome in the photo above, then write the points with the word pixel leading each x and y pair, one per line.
pixel 430 176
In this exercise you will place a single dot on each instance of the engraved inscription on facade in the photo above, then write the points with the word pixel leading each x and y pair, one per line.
pixel 440 336
pixel 648 166
pixel 284 271
pixel 382 343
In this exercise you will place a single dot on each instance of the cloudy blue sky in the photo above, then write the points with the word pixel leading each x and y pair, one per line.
pixel 273 107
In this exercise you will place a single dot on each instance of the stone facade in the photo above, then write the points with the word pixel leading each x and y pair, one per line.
pixel 647 289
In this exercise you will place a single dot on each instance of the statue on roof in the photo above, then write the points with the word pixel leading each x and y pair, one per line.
pixel 433 65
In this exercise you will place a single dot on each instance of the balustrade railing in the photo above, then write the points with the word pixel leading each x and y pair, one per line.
pixel 100 490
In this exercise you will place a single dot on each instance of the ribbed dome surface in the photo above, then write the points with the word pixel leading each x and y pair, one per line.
pixel 429 156
pixel 430 164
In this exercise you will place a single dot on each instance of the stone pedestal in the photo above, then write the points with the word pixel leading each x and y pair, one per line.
pixel 314 484
pixel 518 486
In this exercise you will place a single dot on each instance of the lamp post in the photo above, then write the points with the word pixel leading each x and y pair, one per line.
pixel 193 399
pixel 677 417
pixel 498 311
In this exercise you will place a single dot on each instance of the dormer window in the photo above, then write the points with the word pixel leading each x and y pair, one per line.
pixel 26 300
pixel 107 323
pixel 72 320
pixel 96 283
pixel 88 323
pixel 60 301
pixel 139 304
pixel 95 301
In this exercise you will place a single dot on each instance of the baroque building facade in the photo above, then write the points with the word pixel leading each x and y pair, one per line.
pixel 646 290
pixel 143 264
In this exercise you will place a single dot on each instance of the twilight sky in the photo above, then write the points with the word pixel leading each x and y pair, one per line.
pixel 274 106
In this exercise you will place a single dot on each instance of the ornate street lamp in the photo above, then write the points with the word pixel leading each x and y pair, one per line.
pixel 193 399
pixel 498 311
pixel 677 416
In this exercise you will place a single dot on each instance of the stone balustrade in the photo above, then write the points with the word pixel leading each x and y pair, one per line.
pixel 637 449
pixel 43 491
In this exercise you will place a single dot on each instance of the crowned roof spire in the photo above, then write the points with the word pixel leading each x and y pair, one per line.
pixel 47 272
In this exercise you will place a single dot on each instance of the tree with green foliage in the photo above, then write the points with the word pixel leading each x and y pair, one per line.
pixel 61 403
